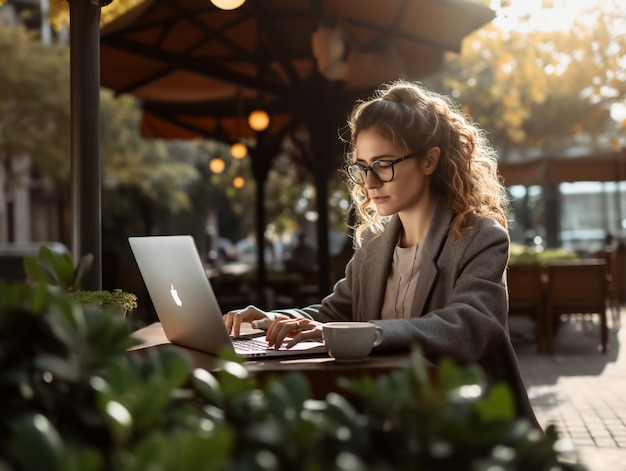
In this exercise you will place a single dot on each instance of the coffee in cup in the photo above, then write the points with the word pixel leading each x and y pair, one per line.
pixel 351 341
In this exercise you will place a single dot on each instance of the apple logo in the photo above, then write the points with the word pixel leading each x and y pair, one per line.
pixel 175 296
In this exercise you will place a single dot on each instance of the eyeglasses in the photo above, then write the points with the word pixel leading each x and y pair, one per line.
pixel 381 169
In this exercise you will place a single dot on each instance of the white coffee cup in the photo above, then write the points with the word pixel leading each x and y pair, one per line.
pixel 351 341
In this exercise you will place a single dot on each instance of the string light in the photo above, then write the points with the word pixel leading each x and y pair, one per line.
pixel 238 150
pixel 259 120
pixel 217 165
pixel 238 182
pixel 228 4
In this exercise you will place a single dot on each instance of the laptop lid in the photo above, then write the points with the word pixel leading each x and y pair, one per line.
pixel 184 299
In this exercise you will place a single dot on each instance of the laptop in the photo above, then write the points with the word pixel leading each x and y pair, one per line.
pixel 185 302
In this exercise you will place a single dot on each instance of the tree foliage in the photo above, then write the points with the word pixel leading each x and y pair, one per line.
pixel 145 181
pixel 542 89
pixel 159 171
pixel 34 102
pixel 35 121
pixel 60 13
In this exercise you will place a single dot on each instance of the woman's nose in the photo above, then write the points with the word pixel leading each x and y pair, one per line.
pixel 371 181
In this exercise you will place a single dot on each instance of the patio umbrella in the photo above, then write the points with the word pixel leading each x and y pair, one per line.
pixel 304 59
pixel 189 50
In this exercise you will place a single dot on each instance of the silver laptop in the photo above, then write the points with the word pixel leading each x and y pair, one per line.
pixel 186 304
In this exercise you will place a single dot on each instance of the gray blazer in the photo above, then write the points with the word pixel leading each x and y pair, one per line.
pixel 460 307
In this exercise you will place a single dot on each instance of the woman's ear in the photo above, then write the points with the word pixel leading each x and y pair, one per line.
pixel 431 160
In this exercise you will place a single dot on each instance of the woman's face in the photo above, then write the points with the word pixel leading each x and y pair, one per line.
pixel 410 186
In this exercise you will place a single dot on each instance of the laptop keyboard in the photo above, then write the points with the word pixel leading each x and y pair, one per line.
pixel 249 345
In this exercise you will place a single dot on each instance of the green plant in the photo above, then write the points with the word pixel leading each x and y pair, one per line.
pixel 59 270
pixel 125 301
pixel 525 254
pixel 74 398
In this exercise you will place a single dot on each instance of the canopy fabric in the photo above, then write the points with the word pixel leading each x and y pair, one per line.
pixel 189 50
pixel 601 167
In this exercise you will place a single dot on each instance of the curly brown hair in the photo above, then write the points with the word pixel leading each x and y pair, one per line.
pixel 419 119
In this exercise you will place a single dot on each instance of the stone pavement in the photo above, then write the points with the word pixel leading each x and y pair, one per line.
pixel 579 389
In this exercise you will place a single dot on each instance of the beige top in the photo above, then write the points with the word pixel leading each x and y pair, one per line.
pixel 402 282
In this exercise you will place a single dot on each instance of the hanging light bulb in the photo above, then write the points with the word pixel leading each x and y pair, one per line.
pixel 238 150
pixel 228 4
pixel 217 165
pixel 238 182
pixel 259 120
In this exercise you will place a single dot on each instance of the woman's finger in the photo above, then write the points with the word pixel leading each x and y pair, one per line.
pixel 233 319
pixel 228 321
pixel 261 323
pixel 305 335
pixel 279 330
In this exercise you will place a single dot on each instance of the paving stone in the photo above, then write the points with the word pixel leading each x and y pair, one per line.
pixel 578 388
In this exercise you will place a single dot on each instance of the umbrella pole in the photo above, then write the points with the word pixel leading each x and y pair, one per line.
pixel 323 122
pixel 262 156
pixel 85 136
pixel 260 237
pixel 323 250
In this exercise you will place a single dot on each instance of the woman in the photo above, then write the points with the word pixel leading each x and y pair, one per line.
pixel 431 240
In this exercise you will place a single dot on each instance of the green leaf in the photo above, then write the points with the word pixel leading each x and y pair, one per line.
pixel 40 297
pixel 121 375
pixel 37 443
pixel 342 410
pixel 63 368
pixel 452 376
pixel 280 403
pixel 61 267
pixel 82 459
pixel 66 322
pixel 208 386
pixel 235 379
pixel 185 450
pixel 498 404
pixel 34 272
pixel 299 388
pixel 154 451
pixel 120 421
pixel 203 452
pixel 83 267
pixel 171 365
pixel 149 405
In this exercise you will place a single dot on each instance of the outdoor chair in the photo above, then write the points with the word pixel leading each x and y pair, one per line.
pixel 526 296
pixel 576 287
pixel 614 259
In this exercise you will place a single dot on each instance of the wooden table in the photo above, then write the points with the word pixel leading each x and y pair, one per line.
pixel 322 372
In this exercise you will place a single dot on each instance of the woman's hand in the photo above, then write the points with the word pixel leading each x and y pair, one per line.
pixel 253 315
pixel 296 330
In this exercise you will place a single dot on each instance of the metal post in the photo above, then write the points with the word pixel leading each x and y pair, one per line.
pixel 262 156
pixel 552 198
pixel 85 139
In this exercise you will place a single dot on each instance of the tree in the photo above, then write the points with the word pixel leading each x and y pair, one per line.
pixel 34 115
pixel 542 88
pixel 141 178
pixel 34 102
pixel 145 181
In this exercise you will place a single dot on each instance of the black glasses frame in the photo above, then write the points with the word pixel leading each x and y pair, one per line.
pixel 371 168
